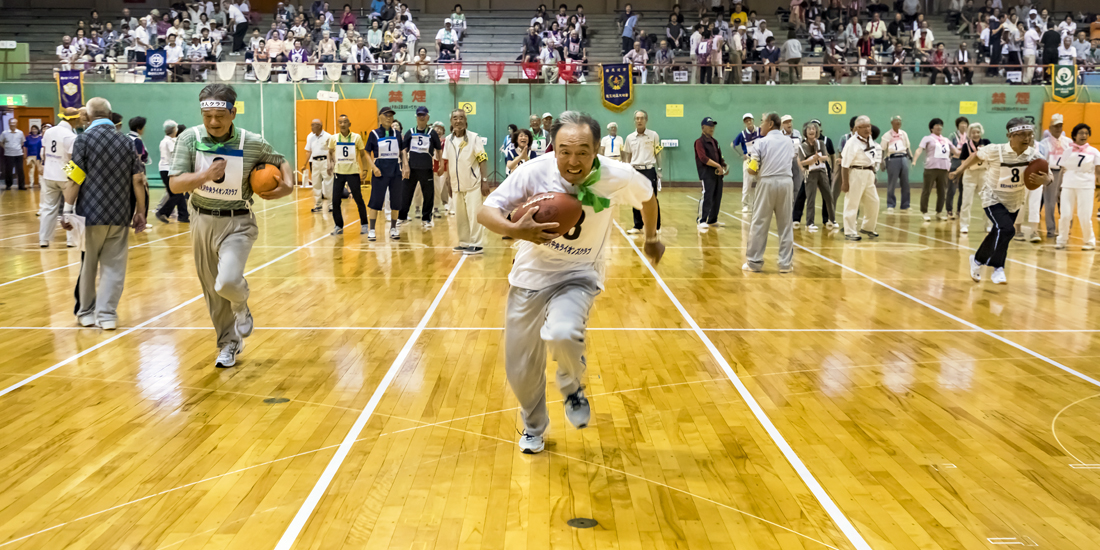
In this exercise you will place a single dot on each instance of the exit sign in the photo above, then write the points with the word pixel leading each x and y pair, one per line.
pixel 13 100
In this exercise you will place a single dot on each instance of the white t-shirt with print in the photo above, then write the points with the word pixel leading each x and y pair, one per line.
pixel 994 156
pixel 580 252
pixel 1079 168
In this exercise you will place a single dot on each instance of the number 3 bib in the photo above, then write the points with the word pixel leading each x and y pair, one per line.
pixel 229 187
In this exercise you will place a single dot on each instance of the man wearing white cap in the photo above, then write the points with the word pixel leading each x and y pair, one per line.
pixel 320 174
pixel 445 40
pixel 1052 148
pixel 611 146
pixel 743 144
pixel 547 122
pixel 57 148
pixel 859 161
pixel 1031 46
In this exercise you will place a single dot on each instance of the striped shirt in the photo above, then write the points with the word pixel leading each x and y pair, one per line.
pixel 994 157
pixel 256 151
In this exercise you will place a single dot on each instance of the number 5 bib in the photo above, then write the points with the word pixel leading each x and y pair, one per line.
pixel 420 143
pixel 229 187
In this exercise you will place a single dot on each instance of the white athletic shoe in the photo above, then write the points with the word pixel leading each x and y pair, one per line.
pixel 703 227
pixel 1035 238
pixel 796 224
pixel 829 225
pixel 577 410
pixel 371 235
pixel 975 270
pixel 395 234
pixel 889 210
pixel 108 325
pixel 747 267
pixel 632 231
pixel 428 225
pixel 1088 246
pixel 927 218
pixel 964 229
pixel 745 210
pixel 787 269
pixel 245 323
pixel 227 357
pixel 87 320
pixel 43 244
pixel 1061 246
pixel 998 277
pixel 812 228
pixel 532 444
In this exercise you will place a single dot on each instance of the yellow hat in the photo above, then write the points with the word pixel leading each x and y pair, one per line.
pixel 69 113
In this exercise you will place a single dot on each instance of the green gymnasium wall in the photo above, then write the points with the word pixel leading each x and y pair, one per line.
pixel 498 106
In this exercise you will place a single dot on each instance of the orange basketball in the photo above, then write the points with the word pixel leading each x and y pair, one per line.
pixel 1037 166
pixel 265 177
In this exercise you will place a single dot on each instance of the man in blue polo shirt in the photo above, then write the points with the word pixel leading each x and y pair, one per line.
pixel 384 148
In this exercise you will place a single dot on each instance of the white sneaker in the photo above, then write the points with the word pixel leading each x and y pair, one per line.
pixel 829 225
pixel 1035 238
pixel 1061 246
pixel 428 225
pixel 371 235
pixel 797 224
pixel 703 227
pixel 747 267
pixel 43 244
pixel 632 231
pixel 1088 246
pixel 975 269
pixel 998 277
pixel 812 228
pixel 577 409
pixel 245 323
pixel 227 357
pixel 927 218
pixel 889 210
pixel 108 325
pixel 964 229
pixel 532 444
pixel 395 234
pixel 87 320
pixel 745 210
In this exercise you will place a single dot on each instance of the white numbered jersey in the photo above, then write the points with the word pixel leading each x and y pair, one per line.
pixel 1079 168
pixel 57 150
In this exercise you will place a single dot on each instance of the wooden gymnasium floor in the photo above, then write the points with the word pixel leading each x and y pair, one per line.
pixel 876 398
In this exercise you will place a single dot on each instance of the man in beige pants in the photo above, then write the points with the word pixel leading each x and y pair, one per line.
pixel 320 173
pixel 467 174
pixel 57 150
pixel 859 161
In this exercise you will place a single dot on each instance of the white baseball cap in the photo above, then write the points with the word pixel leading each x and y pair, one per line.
pixel 547 115
pixel 786 118
pixel 611 125
pixel 447 20
pixel 1056 119
pixel 746 115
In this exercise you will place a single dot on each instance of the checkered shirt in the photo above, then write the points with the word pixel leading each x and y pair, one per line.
pixel 109 162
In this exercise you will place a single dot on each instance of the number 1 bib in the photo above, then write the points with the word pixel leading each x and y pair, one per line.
pixel 229 187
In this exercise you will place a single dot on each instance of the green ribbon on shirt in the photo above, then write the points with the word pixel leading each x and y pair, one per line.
pixel 584 191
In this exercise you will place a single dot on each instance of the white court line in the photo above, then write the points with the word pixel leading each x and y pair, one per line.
pixel 135 246
pixel 300 519
pixel 18 236
pixel 957 245
pixel 17 213
pixel 56 366
pixel 629 329
pixel 827 503
pixel 955 318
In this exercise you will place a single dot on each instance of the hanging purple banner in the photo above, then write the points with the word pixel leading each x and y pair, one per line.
pixel 70 88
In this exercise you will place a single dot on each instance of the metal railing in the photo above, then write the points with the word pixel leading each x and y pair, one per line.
pixel 859 72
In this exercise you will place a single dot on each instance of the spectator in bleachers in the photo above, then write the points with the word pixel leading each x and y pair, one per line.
pixel 937 64
pixel 897 63
pixel 637 58
pixel 127 19
pixel 197 53
pixel 674 33
pixel 412 33
pixel 760 37
pixel 796 17
pixel 316 34
pixel 276 50
pixel 67 53
pixel 817 33
pixel 563 16
pixel 1013 39
pixel 792 56
pixel 1030 51
pixel 347 18
pixel 298 54
pixel 532 46
pixel 423 69
pixel 923 45
pixel 628 30
pixel 739 53
pixel 834 62
pixel 374 38
pixel 349 43
pixel 398 71
pixel 392 40
pixel 458 21
pixel 1066 52
pixel 853 31
pixel 1094 28
pixel 554 38
pixel 549 59
pixel 897 28
pixel 575 49
pixel 163 24
pixel 647 41
pixel 738 16
pixel 770 56
pixel 910 8
pixel 1084 49
pixel 140 42
pixel 1068 26
pixel 204 23
pixel 540 16
pixel 275 33
pixel 702 58
pixel 663 59
pixel 968 16
pixel 364 62
pixel 620 21
pixel 963 65
pixel 876 29
pixel 834 15
pixel 173 55
pixel 389 12
pixel 582 23
pixel 217 16
pixel 326 49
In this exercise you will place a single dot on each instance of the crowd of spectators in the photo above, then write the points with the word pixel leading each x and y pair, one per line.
pixel 193 35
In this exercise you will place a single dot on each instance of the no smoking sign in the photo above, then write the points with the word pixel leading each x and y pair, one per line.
pixel 838 107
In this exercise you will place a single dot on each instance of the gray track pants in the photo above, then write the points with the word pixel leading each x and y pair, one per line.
pixel 221 246
pixel 1051 201
pixel 774 196
pixel 553 318
pixel 105 253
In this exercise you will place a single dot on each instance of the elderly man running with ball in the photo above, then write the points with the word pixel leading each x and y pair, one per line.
pixel 1003 193
pixel 213 163
pixel 558 271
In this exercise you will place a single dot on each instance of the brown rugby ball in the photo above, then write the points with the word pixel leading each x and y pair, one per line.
pixel 1037 166
pixel 562 208
pixel 265 177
